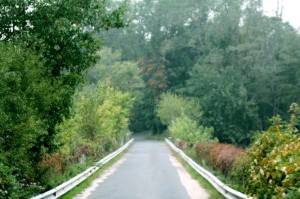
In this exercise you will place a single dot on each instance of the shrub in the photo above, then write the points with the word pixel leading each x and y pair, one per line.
pixel 239 173
pixel 188 130
pixel 275 166
pixel 221 157
pixel 14 185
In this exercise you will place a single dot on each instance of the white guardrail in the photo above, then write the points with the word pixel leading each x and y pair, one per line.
pixel 70 184
pixel 226 191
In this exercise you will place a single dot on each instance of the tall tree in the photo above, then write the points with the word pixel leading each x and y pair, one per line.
pixel 60 35
pixel 61 32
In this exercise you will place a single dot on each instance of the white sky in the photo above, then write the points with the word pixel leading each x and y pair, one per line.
pixel 290 12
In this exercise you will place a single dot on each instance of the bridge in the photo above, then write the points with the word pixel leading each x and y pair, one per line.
pixel 148 170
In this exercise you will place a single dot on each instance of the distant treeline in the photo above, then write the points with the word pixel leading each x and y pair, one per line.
pixel 241 66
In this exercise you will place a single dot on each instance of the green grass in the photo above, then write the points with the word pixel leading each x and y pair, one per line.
pixel 85 184
pixel 213 193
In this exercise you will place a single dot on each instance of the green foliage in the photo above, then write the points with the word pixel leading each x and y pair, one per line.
pixel 124 76
pixel 239 173
pixel 172 106
pixel 61 33
pixel 274 170
pixel 100 117
pixel 98 125
pixel 155 78
pixel 39 76
pixel 188 130
pixel 21 90
pixel 181 115
pixel 240 64
pixel 224 101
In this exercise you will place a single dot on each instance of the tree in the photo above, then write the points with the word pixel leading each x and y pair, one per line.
pixel 100 116
pixel 22 90
pixel 224 102
pixel 59 38
pixel 61 32
pixel 172 106
pixel 122 75
pixel 231 42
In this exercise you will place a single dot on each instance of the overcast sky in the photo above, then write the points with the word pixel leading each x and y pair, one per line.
pixel 291 10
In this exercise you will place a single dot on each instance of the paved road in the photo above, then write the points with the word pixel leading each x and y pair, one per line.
pixel 146 171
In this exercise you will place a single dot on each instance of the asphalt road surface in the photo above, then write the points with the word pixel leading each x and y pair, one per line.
pixel 147 171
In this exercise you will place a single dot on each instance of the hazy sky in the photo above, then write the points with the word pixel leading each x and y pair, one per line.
pixel 291 10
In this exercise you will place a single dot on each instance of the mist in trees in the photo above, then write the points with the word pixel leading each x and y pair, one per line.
pixel 241 65
pixel 220 68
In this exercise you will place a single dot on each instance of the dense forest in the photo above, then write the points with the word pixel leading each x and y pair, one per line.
pixel 240 65
pixel 78 77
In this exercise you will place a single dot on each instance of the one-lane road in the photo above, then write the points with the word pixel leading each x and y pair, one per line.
pixel 147 171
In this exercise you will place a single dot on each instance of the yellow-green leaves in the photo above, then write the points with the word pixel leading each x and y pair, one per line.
pixel 100 117
pixel 181 115
pixel 275 170
pixel 172 106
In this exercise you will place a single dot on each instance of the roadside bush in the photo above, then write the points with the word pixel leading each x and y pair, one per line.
pixel 98 125
pixel 14 185
pixel 275 166
pixel 239 173
pixel 188 130
pixel 221 157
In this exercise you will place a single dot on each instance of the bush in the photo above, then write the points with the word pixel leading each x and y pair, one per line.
pixel 239 173
pixel 188 130
pixel 275 166
pixel 14 185
pixel 221 157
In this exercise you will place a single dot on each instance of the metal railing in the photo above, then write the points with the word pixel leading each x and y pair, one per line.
pixel 70 184
pixel 226 191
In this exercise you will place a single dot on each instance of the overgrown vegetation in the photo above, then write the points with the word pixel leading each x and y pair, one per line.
pixel 180 115
pixel 172 106
pixel 202 70
pixel 45 47
pixel 186 129
pixel 269 168
pixel 238 64
pixel 275 166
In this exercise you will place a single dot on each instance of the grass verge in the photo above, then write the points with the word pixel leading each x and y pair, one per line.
pixel 213 193
pixel 85 184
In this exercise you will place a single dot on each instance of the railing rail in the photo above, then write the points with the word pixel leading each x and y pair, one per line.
pixel 70 184
pixel 226 191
